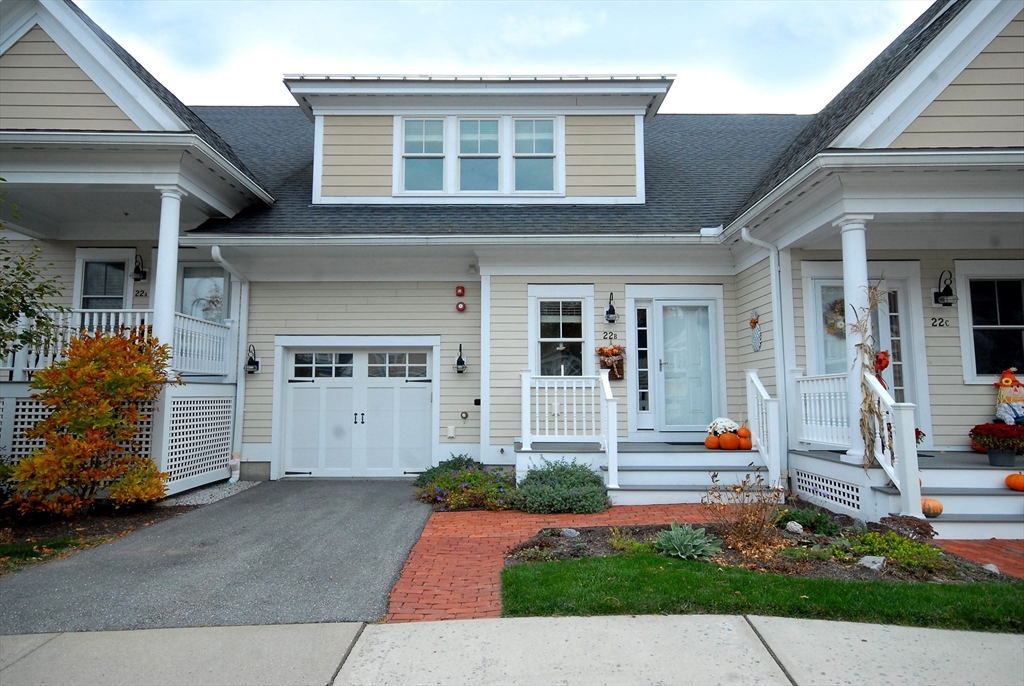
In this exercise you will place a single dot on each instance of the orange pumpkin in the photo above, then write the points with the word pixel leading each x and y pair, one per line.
pixel 729 441
pixel 743 432
pixel 1015 482
pixel 931 507
pixel 711 442
pixel 746 443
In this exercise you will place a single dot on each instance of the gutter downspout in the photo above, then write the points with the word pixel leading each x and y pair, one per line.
pixel 781 379
pixel 243 346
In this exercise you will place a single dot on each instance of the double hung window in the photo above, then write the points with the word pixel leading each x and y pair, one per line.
pixel 997 324
pixel 479 160
pixel 423 154
pixel 561 338
pixel 534 155
pixel 103 286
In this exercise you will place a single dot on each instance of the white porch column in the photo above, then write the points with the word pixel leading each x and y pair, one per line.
pixel 855 291
pixel 164 288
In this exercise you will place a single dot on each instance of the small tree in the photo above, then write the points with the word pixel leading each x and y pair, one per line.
pixel 95 396
pixel 24 292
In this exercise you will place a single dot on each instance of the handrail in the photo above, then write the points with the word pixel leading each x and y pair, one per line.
pixel 898 436
pixel 765 426
pixel 200 346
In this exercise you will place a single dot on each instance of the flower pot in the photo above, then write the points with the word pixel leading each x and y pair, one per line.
pixel 1001 458
pixel 616 368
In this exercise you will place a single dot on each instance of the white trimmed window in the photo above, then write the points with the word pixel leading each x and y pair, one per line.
pixel 991 308
pixel 102 280
pixel 423 154
pixel 488 156
pixel 561 330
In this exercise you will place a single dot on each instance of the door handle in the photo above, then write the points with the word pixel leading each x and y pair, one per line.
pixel 355 417
pixel 362 417
pixel 419 381
pixel 661 365
pixel 300 380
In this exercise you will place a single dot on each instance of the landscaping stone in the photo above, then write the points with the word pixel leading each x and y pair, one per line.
pixel 991 567
pixel 570 533
pixel 795 528
pixel 872 562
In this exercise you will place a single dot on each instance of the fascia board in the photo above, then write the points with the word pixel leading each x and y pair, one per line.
pixel 100 64
pixel 349 87
pixel 824 163
pixel 425 240
pixel 928 75
pixel 136 141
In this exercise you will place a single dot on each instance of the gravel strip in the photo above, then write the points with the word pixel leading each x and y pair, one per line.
pixel 204 495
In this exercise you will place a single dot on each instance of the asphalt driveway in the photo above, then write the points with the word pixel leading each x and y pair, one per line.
pixel 282 552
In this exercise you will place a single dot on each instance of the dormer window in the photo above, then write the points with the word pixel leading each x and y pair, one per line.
pixel 423 153
pixel 535 155
pixel 479 158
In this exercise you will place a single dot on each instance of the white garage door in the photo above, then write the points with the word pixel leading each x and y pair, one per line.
pixel 357 412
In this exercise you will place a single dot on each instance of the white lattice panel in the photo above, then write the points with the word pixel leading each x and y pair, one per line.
pixel 827 488
pixel 199 437
pixel 27 413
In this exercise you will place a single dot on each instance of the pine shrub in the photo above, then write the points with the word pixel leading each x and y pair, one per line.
pixel 562 487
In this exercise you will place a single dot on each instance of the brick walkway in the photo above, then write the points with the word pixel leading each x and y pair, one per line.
pixel 1008 555
pixel 454 570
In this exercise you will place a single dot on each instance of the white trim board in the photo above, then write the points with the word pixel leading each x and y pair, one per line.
pixel 965 270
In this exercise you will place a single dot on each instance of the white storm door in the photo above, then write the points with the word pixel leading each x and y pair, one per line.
pixel 685 365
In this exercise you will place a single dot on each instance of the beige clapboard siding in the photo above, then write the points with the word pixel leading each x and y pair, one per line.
pixel 510 344
pixel 357 156
pixel 983 106
pixel 600 155
pixel 754 292
pixel 41 87
pixel 955 406
pixel 368 309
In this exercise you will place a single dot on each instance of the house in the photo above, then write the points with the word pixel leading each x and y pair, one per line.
pixel 438 258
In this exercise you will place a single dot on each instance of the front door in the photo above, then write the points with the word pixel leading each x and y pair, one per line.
pixel 357 412
pixel 684 370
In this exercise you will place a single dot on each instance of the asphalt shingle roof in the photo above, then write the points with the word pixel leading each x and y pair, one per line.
pixel 193 122
pixel 826 126
pixel 700 168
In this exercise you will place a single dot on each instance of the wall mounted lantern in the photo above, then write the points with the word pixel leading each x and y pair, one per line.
pixel 460 365
pixel 609 314
pixel 140 270
pixel 944 295
pixel 252 363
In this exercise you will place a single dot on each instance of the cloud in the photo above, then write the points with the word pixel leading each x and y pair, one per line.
pixel 536 31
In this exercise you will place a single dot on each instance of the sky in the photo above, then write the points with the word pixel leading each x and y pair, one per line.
pixel 763 56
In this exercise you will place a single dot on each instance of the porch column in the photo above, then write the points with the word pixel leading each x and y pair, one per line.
pixel 855 291
pixel 166 264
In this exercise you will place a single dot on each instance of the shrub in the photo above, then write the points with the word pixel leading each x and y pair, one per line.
pixel 628 544
pixel 560 487
pixel 94 396
pixel 454 464
pixel 898 550
pixel 686 542
pixel 813 520
pixel 471 487
pixel 746 514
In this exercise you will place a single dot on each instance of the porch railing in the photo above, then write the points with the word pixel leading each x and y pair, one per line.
pixel 765 428
pixel 822 411
pixel 17 366
pixel 200 346
pixel 571 409
pixel 895 445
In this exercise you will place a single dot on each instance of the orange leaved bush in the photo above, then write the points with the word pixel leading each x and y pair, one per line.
pixel 94 396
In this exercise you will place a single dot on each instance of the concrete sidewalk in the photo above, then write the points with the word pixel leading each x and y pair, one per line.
pixel 686 649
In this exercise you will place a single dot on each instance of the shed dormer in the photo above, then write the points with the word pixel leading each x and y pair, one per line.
pixel 478 140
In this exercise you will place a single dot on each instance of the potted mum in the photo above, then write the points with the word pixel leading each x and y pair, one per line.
pixel 1002 441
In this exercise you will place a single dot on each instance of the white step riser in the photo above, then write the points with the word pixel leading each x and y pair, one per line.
pixel 972 504
pixel 654 497
pixel 965 478
pixel 678 478
pixel 977 530
pixel 725 458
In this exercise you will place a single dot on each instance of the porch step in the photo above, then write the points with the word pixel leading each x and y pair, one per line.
pixel 978 526
pixel 657 495
pixel 966 501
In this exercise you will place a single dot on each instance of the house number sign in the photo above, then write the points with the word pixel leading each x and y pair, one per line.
pixel 610 336
pixel 940 321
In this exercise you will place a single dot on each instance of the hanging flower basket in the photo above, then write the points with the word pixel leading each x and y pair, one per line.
pixel 613 358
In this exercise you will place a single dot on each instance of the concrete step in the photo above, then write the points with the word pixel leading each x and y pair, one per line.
pixel 966 477
pixel 682 475
pixel 732 459
pixel 978 526
pixel 967 501
pixel 657 495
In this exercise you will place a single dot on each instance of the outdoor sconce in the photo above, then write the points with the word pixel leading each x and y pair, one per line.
pixel 944 295
pixel 609 314
pixel 252 363
pixel 460 365
pixel 140 272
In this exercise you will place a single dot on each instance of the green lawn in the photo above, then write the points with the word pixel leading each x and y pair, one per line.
pixel 23 553
pixel 652 584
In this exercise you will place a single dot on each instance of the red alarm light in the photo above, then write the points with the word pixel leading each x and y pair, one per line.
pixel 460 306
pixel 460 291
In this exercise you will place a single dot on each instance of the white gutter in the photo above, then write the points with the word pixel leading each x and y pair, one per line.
pixel 661 239
pixel 142 140
pixel 241 352
pixel 781 379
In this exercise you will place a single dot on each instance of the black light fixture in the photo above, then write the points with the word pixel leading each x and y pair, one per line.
pixel 945 296
pixel 252 363
pixel 460 365
pixel 140 272
pixel 609 314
